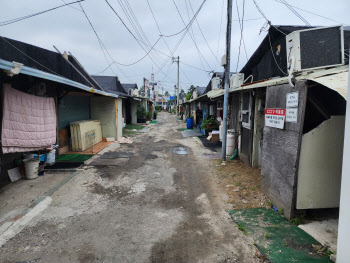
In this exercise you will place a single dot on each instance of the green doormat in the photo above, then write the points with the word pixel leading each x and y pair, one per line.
pixel 276 237
pixel 74 157
pixel 184 129
pixel 153 122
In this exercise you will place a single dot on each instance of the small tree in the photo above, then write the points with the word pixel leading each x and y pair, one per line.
pixel 182 92
pixel 191 89
pixel 166 93
pixel 141 112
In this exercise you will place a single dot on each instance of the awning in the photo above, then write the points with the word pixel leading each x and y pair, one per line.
pixel 337 82
pixel 6 65
pixel 334 78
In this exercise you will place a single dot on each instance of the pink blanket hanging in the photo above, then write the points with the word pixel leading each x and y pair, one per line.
pixel 28 122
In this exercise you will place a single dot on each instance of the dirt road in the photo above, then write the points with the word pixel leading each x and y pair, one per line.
pixel 164 205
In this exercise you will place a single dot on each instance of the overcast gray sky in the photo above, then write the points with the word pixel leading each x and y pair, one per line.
pixel 68 29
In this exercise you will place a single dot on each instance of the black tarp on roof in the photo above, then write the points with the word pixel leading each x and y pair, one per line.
pixel 111 84
pixel 42 59
pixel 262 64
pixel 128 86
pixel 200 90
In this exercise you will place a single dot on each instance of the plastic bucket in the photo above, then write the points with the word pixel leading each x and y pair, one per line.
pixel 51 157
pixel 28 155
pixel 189 123
pixel 31 167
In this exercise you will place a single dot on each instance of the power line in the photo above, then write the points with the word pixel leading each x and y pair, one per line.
pixel 196 67
pixel 241 26
pixel 307 11
pixel 296 13
pixel 183 36
pixel 274 58
pixel 185 75
pixel 102 46
pixel 72 6
pixel 15 20
pixel 156 56
pixel 190 23
pixel 138 40
pixel 260 11
pixel 200 29
pixel 192 37
pixel 222 11
pixel 160 32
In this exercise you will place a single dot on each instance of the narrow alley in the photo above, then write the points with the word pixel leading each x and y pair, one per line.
pixel 163 205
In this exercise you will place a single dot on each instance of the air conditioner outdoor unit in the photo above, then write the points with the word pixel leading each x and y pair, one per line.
pixel 236 80
pixel 85 134
pixel 315 48
pixel 215 83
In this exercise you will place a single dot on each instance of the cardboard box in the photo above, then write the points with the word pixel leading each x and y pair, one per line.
pixel 215 138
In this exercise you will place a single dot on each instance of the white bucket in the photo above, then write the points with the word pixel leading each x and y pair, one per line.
pixel 28 155
pixel 230 145
pixel 31 166
pixel 51 157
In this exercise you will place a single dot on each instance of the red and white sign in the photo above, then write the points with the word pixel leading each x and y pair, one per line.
pixel 275 118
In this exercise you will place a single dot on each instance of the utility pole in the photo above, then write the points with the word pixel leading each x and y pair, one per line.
pixel 162 98
pixel 227 78
pixel 177 59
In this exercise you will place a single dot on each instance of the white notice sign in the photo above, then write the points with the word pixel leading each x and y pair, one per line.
pixel 292 115
pixel 292 99
pixel 275 118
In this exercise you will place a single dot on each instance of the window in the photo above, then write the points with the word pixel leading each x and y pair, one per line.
pixel 219 105
pixel 211 109
pixel 246 110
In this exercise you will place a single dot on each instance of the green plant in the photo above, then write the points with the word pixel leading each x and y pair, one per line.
pixel 281 211
pixel 267 235
pixel 209 124
pixel 238 183
pixel 298 220
pixel 155 113
pixel 141 112
pixel 149 115
pixel 158 108
pixel 270 203
pixel 241 228
pixel 329 253
pixel 191 117
pixel 188 96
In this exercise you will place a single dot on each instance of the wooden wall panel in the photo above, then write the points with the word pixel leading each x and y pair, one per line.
pixel 281 150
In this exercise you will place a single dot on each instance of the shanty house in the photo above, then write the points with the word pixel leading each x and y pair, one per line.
pixel 43 93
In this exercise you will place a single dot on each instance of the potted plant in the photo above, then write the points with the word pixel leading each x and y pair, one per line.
pixel 149 116
pixel 155 113
pixel 189 122
pixel 141 114
pixel 209 125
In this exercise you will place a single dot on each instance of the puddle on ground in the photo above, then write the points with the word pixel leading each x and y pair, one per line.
pixel 179 150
